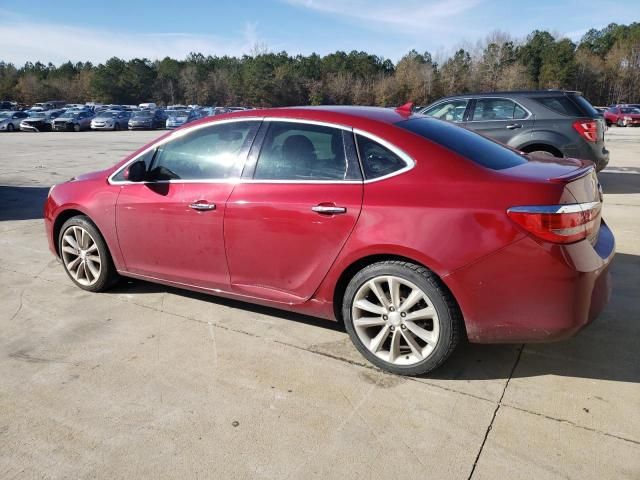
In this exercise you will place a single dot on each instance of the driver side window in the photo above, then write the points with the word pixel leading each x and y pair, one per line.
pixel 208 153
pixel 452 111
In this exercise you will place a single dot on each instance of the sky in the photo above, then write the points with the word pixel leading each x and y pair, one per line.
pixel 48 31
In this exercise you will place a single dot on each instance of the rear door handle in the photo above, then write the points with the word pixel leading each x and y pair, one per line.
pixel 200 205
pixel 328 209
pixel 513 126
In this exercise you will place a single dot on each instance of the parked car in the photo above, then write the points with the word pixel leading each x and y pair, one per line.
pixel 147 120
pixel 177 118
pixel 408 229
pixel 551 122
pixel 147 106
pixel 111 120
pixel 73 120
pixel 8 105
pixel 623 116
pixel 39 120
pixel 10 120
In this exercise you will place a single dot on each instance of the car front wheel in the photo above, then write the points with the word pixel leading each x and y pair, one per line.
pixel 401 317
pixel 85 255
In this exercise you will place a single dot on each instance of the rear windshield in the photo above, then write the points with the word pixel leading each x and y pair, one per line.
pixel 471 145
pixel 570 105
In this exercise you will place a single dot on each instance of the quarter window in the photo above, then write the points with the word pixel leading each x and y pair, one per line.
pixel 497 109
pixel 377 160
pixel 206 153
pixel 298 151
pixel 452 111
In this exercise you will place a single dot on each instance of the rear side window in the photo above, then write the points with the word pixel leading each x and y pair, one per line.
pixel 450 110
pixel 560 104
pixel 470 145
pixel 497 109
pixel 377 160
pixel 297 151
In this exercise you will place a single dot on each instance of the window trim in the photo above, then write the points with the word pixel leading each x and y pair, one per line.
pixel 528 117
pixel 172 136
pixel 465 115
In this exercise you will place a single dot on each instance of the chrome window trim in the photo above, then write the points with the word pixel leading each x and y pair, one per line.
pixel 172 136
pixel 308 122
pixel 528 117
pixel 410 162
pixel 422 111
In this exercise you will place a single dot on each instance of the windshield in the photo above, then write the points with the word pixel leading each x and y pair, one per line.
pixel 144 113
pixel 177 113
pixel 5 114
pixel 37 115
pixel 69 115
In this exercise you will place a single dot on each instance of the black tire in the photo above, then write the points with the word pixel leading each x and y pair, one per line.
pixel 76 127
pixel 10 127
pixel 544 152
pixel 449 316
pixel 116 126
pixel 620 123
pixel 108 274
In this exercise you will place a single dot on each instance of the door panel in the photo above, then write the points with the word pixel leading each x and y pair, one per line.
pixel 278 248
pixel 500 119
pixel 150 230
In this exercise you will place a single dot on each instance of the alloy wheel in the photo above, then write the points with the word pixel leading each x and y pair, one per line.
pixel 81 256
pixel 395 320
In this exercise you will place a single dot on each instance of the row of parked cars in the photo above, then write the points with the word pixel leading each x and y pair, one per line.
pixel 48 116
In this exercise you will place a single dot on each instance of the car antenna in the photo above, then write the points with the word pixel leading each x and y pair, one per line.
pixel 406 109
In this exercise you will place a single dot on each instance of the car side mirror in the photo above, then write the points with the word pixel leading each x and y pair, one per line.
pixel 136 172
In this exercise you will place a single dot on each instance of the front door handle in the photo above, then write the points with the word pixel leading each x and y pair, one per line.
pixel 513 126
pixel 200 205
pixel 328 209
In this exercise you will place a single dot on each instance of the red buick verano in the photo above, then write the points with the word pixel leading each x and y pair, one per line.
pixel 412 231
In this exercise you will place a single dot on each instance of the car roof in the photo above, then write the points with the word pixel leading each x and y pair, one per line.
pixel 514 93
pixel 352 116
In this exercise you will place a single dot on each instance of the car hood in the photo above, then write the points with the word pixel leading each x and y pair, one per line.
pixel 89 176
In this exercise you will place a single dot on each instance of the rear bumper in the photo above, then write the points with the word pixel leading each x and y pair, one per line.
pixel 597 153
pixel 528 292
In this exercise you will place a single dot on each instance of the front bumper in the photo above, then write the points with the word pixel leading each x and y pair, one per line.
pixel 531 292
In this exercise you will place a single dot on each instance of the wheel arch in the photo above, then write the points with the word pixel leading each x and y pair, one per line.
pixel 541 146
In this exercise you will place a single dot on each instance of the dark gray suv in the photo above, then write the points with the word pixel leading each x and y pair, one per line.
pixel 554 122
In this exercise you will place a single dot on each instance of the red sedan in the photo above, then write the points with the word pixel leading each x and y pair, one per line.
pixel 413 232
pixel 622 116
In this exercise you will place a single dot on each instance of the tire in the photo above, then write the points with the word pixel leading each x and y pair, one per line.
pixel 620 123
pixel 442 326
pixel 83 273
pixel 10 127
pixel 543 152
pixel 116 126
pixel 607 123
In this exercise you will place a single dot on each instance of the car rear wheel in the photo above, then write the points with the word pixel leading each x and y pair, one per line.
pixel 401 317
pixel 620 123
pixel 10 127
pixel 85 255
pixel 76 128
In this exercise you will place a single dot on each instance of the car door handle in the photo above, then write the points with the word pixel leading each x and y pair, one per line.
pixel 513 126
pixel 328 209
pixel 203 206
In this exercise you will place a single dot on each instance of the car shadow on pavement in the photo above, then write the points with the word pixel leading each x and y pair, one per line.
pixel 21 202
pixel 619 181
pixel 606 349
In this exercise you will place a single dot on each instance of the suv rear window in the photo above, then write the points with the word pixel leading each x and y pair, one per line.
pixel 571 105
pixel 470 145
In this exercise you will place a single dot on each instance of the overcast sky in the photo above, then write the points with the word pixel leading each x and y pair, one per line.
pixel 83 30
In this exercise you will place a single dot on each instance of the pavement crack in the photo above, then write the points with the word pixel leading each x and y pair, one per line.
pixel 495 413
pixel 15 314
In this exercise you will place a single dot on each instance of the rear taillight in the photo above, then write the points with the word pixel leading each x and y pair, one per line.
pixel 588 129
pixel 559 223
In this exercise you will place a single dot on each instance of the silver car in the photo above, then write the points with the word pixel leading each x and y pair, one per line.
pixel 10 120
pixel 73 120
pixel 111 120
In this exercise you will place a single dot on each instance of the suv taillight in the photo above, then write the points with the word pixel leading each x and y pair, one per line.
pixel 559 223
pixel 588 129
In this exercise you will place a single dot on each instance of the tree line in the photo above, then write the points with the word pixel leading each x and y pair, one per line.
pixel 604 65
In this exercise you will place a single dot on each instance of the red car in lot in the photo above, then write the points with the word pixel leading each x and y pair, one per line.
pixel 622 116
pixel 413 232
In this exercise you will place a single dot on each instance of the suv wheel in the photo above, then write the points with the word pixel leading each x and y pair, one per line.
pixel 401 317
